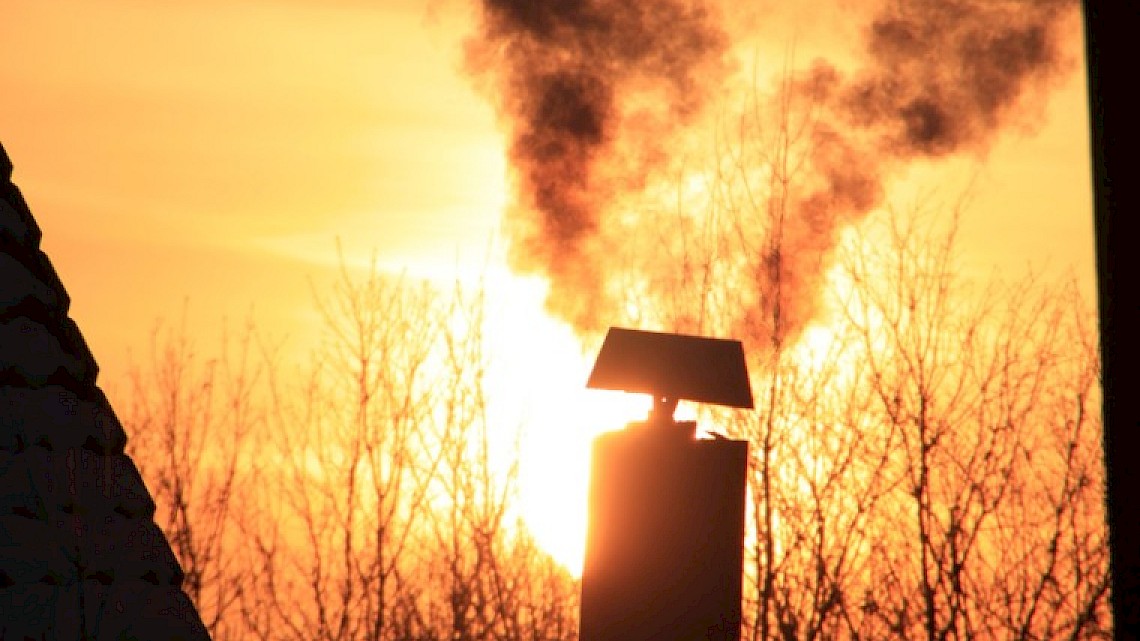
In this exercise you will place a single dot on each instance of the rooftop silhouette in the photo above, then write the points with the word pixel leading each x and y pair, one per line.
pixel 80 554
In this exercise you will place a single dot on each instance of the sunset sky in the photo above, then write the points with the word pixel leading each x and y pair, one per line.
pixel 209 155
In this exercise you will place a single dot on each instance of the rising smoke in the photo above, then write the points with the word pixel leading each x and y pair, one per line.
pixel 595 94
pixel 591 92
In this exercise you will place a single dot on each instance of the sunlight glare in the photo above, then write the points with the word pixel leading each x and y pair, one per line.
pixel 537 383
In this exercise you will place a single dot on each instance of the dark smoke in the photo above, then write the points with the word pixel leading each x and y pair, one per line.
pixel 594 93
pixel 946 75
pixel 941 77
pixel 591 91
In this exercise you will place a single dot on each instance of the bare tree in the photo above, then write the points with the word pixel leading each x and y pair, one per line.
pixel 191 419
pixel 934 472
pixel 392 514
pixel 813 478
pixel 989 394
pixel 496 583
pixel 351 470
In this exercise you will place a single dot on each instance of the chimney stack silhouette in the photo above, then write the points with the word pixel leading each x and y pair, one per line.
pixel 665 543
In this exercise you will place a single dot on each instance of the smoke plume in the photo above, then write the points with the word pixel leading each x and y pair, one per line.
pixel 946 76
pixel 591 91
pixel 595 93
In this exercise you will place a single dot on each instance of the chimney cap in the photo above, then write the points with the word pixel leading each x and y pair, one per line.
pixel 674 367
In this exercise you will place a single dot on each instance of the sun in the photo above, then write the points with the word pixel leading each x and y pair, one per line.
pixel 556 470
pixel 536 389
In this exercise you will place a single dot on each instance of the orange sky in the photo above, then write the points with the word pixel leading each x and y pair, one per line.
pixel 212 152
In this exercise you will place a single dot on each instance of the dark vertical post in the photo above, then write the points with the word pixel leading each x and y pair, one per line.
pixel 1110 30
